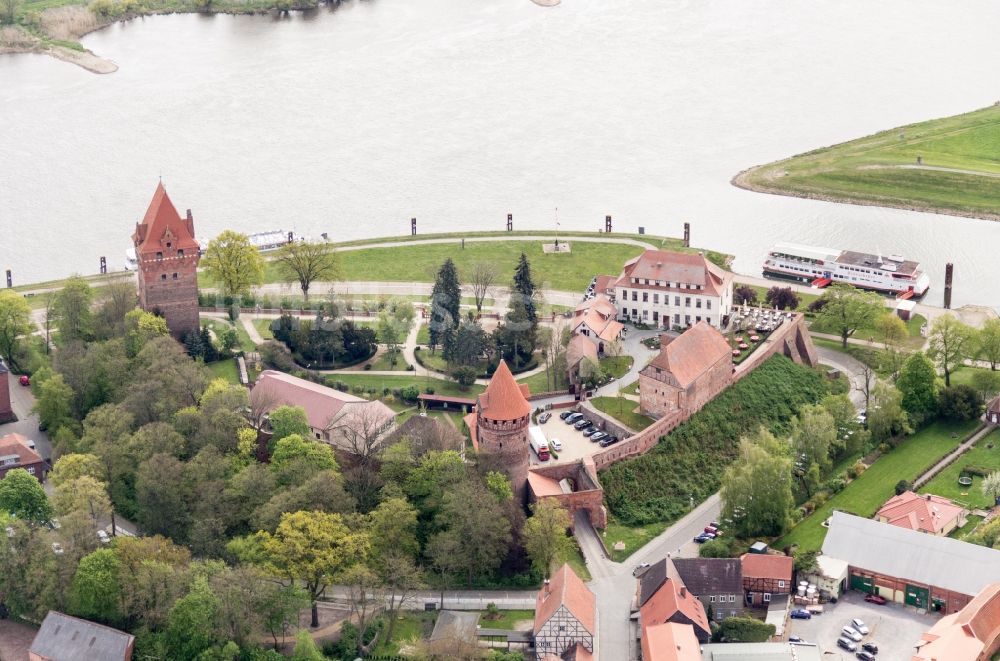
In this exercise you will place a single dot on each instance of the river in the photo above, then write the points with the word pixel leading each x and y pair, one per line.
pixel 350 121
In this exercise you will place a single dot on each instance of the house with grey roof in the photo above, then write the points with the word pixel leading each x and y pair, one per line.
pixel 65 638
pixel 910 567
pixel 762 652
pixel 716 582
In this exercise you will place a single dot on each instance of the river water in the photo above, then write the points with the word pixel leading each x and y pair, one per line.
pixel 350 121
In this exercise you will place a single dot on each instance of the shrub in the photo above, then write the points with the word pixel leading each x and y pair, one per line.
pixel 368 367
pixel 429 390
pixel 977 471
pixel 409 393
pixel 276 356
pixel 745 630
pixel 960 403
pixel 835 485
pixel 902 487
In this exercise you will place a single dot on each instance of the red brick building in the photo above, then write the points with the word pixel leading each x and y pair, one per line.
pixel 16 453
pixel 972 634
pixel 765 577
pixel 689 371
pixel 499 426
pixel 6 412
pixel 168 256
pixel 663 597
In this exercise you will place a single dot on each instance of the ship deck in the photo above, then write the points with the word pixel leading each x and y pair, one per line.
pixel 867 260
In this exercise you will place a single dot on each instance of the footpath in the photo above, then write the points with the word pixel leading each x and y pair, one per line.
pixel 952 456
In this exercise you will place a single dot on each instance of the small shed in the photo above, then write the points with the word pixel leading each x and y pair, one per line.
pixel 457 625
pixel 904 309
pixel 829 576
pixel 758 547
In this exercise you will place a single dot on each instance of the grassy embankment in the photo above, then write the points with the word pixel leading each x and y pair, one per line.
pixel 959 172
pixel 864 495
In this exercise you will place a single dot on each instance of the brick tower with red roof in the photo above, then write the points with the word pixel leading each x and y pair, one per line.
pixel 6 411
pixel 168 257
pixel 499 426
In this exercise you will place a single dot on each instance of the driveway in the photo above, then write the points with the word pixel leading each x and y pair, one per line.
pixel 894 628
pixel 15 639
pixel 22 401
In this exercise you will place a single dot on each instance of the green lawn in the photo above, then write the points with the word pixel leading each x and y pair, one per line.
pixel 263 327
pixel 617 366
pixel 946 482
pixel 225 369
pixel 379 382
pixel 424 335
pixel 964 374
pixel 867 355
pixel 913 342
pixel 410 626
pixel 634 538
pixel 866 494
pixel 246 343
pixel 622 411
pixel 877 169
pixel 804 299
pixel 506 620
pixel 632 389
pixel 382 364
pixel 538 383
pixel 970 524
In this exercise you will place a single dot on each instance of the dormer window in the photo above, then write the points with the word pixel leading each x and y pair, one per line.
pixel 159 255
pixel 180 253
pixel 169 244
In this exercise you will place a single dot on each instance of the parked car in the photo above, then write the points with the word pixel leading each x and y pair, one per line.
pixel 870 647
pixel 711 529
pixel 846 644
pixel 591 431
pixel 875 599
pixel 795 639
pixel 702 538
pixel 851 633
pixel 565 414
pixel 543 418
pixel 800 614
pixel 640 569
pixel 865 656
pixel 555 444
pixel 24 380
pixel 572 418
pixel 859 626
pixel 598 436
pixel 608 440
pixel 582 424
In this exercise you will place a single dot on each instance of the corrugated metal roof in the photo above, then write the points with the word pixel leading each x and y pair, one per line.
pixel 761 652
pixel 907 554
pixel 65 638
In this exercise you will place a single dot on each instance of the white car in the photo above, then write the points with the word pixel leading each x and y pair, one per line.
pixel 103 536
pixel 851 633
pixel 859 626
pixel 555 444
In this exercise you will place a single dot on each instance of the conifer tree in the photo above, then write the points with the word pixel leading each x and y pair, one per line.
pixel 525 286
pixel 446 297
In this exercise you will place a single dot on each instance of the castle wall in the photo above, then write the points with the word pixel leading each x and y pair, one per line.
pixel 508 442
pixel 169 286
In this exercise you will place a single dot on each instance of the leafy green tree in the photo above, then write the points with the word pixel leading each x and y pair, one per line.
pixel 474 523
pixel 293 446
pixel 161 498
pixel 499 485
pixel 814 432
pixel 464 375
pixel 545 537
pixel 313 548
pixel 524 288
pixel 192 625
pixel 891 332
pixel 288 420
pixel 95 594
pixel 950 342
pixel 470 344
pixel 715 548
pixel 72 310
pixel 756 488
pixel 9 10
pixel 917 383
pixel 991 486
pixel 805 561
pixel 54 403
pixel 22 495
pixel 84 496
pixel 887 418
pixel 986 383
pixel 307 262
pixel 140 328
pixel 233 262
pixel 516 335
pixel 782 298
pixel 745 630
pixel 322 492
pixel 446 300
pixel 393 528
pixel 848 309
pixel 988 342
pixel 960 403
pixel 15 323
pixel 305 648
pixel 434 474
pixel 72 466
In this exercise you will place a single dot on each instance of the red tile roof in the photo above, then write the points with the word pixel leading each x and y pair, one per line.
pixel 967 634
pixel 580 347
pixel 504 398
pixel 670 598
pixel 161 219
pixel 670 642
pixel 566 589
pixel 323 405
pixel 600 304
pixel 604 283
pixel 677 267
pixel 766 565
pixel 13 445
pixel 693 353
pixel 543 485
pixel 926 512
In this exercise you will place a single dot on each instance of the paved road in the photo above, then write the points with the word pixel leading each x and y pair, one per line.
pixel 458 599
pixel 22 401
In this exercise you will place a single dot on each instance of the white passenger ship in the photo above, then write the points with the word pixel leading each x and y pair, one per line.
pixel 822 266
pixel 264 241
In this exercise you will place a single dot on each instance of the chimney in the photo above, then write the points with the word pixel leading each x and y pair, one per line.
pixel 927 496
pixel 684 591
pixel 546 587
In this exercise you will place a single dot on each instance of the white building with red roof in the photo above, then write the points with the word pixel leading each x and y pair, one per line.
pixel 688 372
pixel 672 289
pixel 16 452
pixel 595 320
pixel 924 512
pixel 565 617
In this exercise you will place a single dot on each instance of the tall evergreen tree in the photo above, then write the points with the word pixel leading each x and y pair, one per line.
pixel 446 297
pixel 525 286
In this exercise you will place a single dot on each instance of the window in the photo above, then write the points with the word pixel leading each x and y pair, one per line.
pixel 697 319
pixel 677 319
pixel 10 461
pixel 163 276
pixel 624 294
pixel 687 301
pixel 767 597
pixel 656 315
pixel 317 436
pixel 697 303
pixel 708 304
pixel 781 584
pixel 635 296
pixel 645 297
pixel 169 244
pixel 732 598
pixel 645 314
pixel 180 253
pixel 656 298
pixel 31 470
pixel 159 255
pixel 687 320
pixel 175 276
pixel 677 301
pixel 711 599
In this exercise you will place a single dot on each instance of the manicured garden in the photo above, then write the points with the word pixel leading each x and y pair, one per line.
pixel 225 369
pixel 623 410
pixel 982 458
pixel 864 495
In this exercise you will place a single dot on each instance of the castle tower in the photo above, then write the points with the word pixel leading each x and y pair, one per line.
pixel 500 426
pixel 6 412
pixel 168 257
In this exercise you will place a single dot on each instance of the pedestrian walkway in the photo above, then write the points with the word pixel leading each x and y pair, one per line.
pixel 952 456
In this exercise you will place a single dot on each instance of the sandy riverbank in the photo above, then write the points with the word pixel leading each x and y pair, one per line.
pixel 85 59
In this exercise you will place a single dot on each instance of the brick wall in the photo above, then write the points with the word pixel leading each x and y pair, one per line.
pixel 588 495
pixel 894 589
pixel 175 298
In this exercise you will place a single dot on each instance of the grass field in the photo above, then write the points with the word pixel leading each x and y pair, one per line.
pixel 540 383
pixel 882 169
pixel 634 538
pixel 946 482
pixel 617 366
pixel 622 411
pixel 225 369
pixel 866 494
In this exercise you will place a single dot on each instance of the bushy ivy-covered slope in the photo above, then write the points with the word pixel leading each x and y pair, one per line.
pixel 688 463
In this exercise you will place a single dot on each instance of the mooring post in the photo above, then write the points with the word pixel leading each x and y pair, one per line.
pixel 413 226
pixel 510 222
pixel 104 265
pixel 607 224
pixel 687 235
pixel 949 274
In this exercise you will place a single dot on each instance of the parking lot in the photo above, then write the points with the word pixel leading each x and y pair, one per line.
pixel 575 445
pixel 894 628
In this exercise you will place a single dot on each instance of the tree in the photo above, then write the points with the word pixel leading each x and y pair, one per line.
pixel 191 625
pixel 892 332
pixel 756 489
pixel 469 345
pixel 484 275
pixel 960 403
pixel 499 485
pixel 15 322
pixel 389 333
pixel 313 548
pixel 293 447
pixel 474 522
pixel 307 262
pixel 991 486
pixel 72 310
pixel 986 383
pixel 516 335
pixel 886 418
pixel 847 309
pixel 364 593
pixel 745 295
pixel 524 288
pixel 288 420
pixel 305 648
pixel 279 608
pixel 950 342
pixel 988 342
pixel 85 496
pixel 21 495
pixel 54 404
pixel 9 9
pixel 95 594
pixel 805 561
pixel 814 432
pixel 140 328
pixel 161 498
pixel 446 299
pixel 545 537
pixel 917 384
pixel 72 466
pixel 233 262
pixel 745 630
pixel 393 529
pixel 464 375
pixel 782 298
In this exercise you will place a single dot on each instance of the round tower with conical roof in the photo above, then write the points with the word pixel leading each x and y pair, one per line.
pixel 501 424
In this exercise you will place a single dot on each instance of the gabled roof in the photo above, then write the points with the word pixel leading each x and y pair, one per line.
pixel 579 348
pixel 566 589
pixel 692 354
pixel 671 598
pixel 604 327
pixel 906 554
pixel 504 398
pixel 994 406
pixel 766 565
pixel 600 303
pixel 456 625
pixel 65 638
pixel 710 575
pixel 677 267
pixel 965 635
pixel 926 512
pixel 161 219
pixel 323 406
pixel 670 642
pixel 16 445
pixel 604 283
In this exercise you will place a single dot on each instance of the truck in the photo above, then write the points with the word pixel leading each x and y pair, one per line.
pixel 538 443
